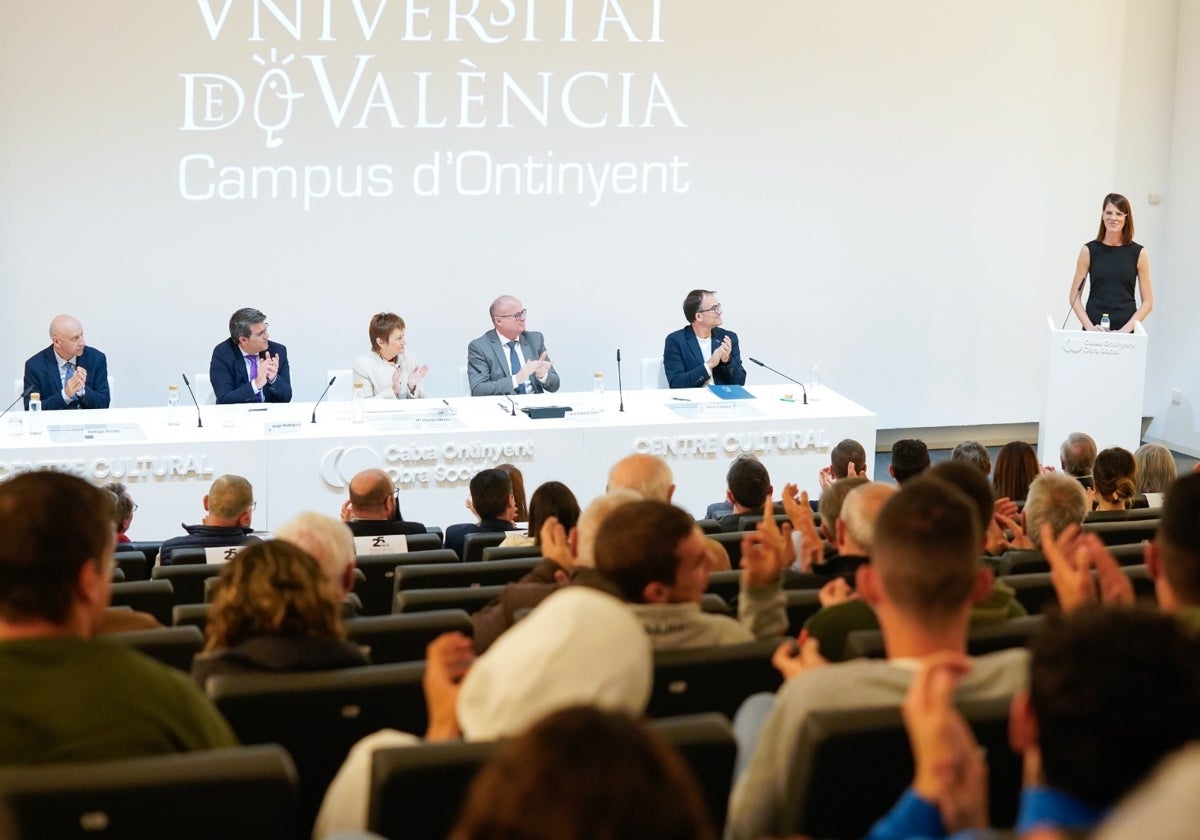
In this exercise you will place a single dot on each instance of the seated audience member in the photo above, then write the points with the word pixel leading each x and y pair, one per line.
pixel 125 509
pixel 1115 476
pixel 1155 472
pixel 925 573
pixel 389 371
pixel 975 453
pixel 1015 469
pixel 1055 500
pixel 249 367
pixel 702 352
pixel 551 499
pixel 1111 693
pixel 1173 556
pixel 275 611
pixel 845 558
pixel 747 489
pixel 568 557
pixel 846 460
pixel 68 373
pixel 583 773
pixel 647 475
pixel 553 659
pixel 658 559
pixel 718 556
pixel 910 458
pixel 229 505
pixel 492 500
pixel 518 489
pixel 373 508
pixel 66 696
pixel 1076 457
pixel 329 542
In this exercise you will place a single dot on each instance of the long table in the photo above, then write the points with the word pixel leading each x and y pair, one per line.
pixel 431 448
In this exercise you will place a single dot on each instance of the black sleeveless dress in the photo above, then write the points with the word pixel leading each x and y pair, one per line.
pixel 1113 273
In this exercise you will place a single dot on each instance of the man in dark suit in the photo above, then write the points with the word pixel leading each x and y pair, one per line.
pixel 492 499
pixel 507 359
pixel 68 373
pixel 249 367
pixel 373 508
pixel 702 353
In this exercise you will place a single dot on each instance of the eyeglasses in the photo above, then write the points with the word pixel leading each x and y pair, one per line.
pixel 1113 214
pixel 716 309
pixel 253 505
pixel 134 508
pixel 520 316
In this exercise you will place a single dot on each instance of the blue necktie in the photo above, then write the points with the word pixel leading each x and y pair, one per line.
pixel 515 362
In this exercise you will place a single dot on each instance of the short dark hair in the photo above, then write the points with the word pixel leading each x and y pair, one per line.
pixel 1077 454
pixel 1113 691
pixel 1178 538
pixel 691 303
pixel 848 451
pixel 382 325
pixel 52 523
pixel 1016 468
pixel 637 545
pixel 975 453
pixel 490 490
pixel 909 457
pixel 748 481
pixel 1115 475
pixel 926 549
pixel 974 484
pixel 553 498
pixel 830 504
pixel 241 321
pixel 585 772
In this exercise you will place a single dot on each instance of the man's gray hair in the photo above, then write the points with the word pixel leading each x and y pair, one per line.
pixel 241 321
pixel 329 541
pixel 1078 454
pixel 1059 500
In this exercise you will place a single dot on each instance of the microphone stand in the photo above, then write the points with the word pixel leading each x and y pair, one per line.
pixel 20 397
pixel 784 375
pixel 199 422
pixel 620 388
pixel 323 393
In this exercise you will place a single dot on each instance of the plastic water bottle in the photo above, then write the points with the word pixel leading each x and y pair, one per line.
pixel 1104 322
pixel 360 403
pixel 598 383
pixel 814 383
pixel 172 405
pixel 35 413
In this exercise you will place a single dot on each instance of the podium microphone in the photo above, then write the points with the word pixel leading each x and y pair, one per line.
pixel 323 393
pixel 20 397
pixel 784 375
pixel 620 389
pixel 513 403
pixel 1074 298
pixel 199 422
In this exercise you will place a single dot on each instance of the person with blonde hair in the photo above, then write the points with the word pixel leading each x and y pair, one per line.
pixel 1156 471
pixel 275 611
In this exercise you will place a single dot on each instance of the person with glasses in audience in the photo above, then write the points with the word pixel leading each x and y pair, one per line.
pixel 702 353
pixel 508 359
pixel 249 367
pixel 229 506
pixel 373 509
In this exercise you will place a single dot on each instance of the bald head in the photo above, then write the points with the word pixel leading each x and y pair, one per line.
pixel 506 318
pixel 860 510
pixel 329 541
pixel 371 494
pixel 66 336
pixel 648 475
pixel 229 501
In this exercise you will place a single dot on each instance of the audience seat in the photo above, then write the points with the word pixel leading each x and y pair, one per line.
pixel 403 638
pixel 725 584
pixel 174 646
pixel 458 575
pixel 243 793
pixel 986 638
pixel 713 679
pixel 511 552
pixel 801 605
pixel 131 563
pixel 732 542
pixel 1036 592
pixel 379 572
pixel 187 580
pixel 149 596
pixel 474 544
pixel 319 716
pixel 149 548
pixel 188 556
pixel 860 762
pixel 1123 533
pixel 470 599
pixel 190 615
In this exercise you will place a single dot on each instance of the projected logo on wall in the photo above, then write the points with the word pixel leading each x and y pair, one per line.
pixel 294 95
pixel 421 465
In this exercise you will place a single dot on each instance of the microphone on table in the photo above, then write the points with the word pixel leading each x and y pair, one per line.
pixel 20 397
pixel 323 393
pixel 784 375
pixel 199 422
pixel 513 403
pixel 1074 298
pixel 620 389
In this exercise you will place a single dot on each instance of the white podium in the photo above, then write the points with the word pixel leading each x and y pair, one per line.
pixel 1094 384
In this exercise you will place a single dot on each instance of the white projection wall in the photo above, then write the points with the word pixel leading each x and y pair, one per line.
pixel 896 191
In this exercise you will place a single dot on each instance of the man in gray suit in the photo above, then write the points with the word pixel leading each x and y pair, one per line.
pixel 508 359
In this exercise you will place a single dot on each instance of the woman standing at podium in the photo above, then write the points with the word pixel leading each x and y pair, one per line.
pixel 1117 266
pixel 389 371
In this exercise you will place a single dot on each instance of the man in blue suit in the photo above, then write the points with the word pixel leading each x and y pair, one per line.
pixel 249 367
pixel 702 353
pixel 68 373
pixel 508 359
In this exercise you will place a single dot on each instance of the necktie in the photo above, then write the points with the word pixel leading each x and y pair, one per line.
pixel 515 362
pixel 253 360
pixel 68 372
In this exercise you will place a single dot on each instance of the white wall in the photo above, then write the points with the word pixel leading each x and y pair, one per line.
pixel 897 191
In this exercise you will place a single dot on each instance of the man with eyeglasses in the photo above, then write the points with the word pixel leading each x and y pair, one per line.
pixel 228 506
pixel 373 509
pixel 508 359
pixel 702 353
pixel 249 367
